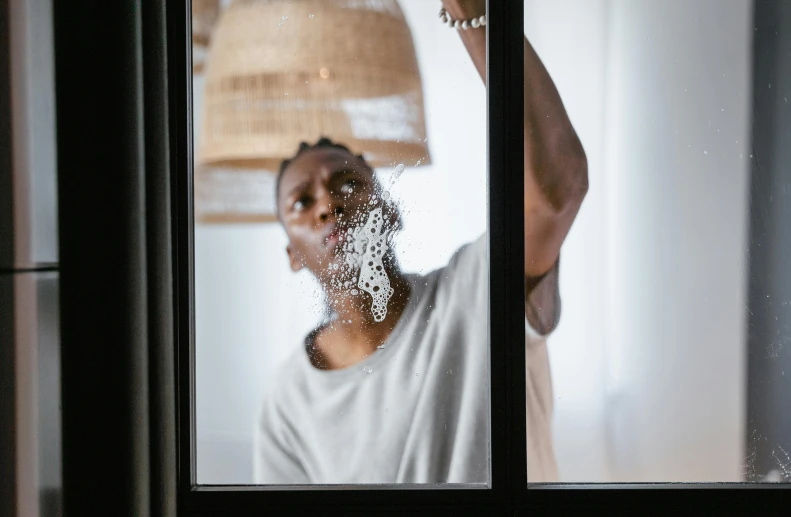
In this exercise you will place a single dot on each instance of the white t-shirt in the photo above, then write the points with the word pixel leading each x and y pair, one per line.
pixel 416 411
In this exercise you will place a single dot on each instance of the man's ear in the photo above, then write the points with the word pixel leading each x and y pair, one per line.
pixel 296 263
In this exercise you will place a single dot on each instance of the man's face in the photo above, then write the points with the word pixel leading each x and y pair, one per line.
pixel 323 193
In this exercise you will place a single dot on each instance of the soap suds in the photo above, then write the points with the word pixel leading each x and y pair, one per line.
pixel 370 247
pixel 364 249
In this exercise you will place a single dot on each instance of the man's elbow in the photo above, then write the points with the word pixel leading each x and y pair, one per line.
pixel 568 185
pixel 574 184
pixel 561 174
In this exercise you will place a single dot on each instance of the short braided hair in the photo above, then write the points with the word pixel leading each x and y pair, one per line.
pixel 322 143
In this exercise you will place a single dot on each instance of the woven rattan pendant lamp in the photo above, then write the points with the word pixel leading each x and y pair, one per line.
pixel 205 14
pixel 280 72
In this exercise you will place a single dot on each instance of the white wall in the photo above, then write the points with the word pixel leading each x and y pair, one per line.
pixel 241 270
pixel 649 359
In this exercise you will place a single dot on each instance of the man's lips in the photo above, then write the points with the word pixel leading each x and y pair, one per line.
pixel 333 237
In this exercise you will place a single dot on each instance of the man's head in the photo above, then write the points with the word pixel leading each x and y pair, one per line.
pixel 323 192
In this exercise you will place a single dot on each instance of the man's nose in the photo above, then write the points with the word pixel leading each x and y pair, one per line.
pixel 329 205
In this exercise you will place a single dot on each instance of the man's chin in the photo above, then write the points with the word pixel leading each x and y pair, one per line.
pixel 339 274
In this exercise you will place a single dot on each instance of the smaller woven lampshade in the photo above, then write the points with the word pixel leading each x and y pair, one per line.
pixel 234 196
pixel 205 14
pixel 280 72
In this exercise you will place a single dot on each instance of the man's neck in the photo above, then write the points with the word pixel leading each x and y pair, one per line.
pixel 354 335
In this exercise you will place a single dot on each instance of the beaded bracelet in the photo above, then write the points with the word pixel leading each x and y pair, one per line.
pixel 461 24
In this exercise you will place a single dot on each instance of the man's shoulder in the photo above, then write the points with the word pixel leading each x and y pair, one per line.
pixel 461 283
pixel 467 255
pixel 468 266
pixel 476 250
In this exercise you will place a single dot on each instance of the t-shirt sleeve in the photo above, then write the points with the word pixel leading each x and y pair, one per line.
pixel 274 462
pixel 546 294
pixel 469 269
pixel 532 336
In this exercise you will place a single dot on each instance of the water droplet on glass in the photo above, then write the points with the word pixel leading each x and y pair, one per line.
pixel 279 24
pixel 367 370
pixel 386 195
pixel 705 152
pixel 311 16
pixel 398 171
pixel 417 375
pixel 284 18
pixel 382 347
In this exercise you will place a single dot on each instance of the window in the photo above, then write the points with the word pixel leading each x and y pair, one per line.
pixel 320 359
pixel 669 349
pixel 121 231
pixel 610 221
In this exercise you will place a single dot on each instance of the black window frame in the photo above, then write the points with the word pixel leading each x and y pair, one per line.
pixel 129 149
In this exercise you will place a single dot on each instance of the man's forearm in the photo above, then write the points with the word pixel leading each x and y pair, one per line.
pixel 474 39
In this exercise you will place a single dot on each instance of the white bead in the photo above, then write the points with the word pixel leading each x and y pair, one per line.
pixel 457 24
pixel 465 25
pixel 482 20
pixel 450 22
pixel 475 23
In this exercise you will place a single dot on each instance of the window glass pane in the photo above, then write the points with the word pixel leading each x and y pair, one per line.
pixel 671 361
pixel 342 298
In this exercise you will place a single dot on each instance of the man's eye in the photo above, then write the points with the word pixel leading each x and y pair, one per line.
pixel 348 187
pixel 301 203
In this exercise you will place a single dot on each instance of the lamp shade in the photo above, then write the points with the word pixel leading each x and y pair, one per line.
pixel 205 14
pixel 234 196
pixel 280 72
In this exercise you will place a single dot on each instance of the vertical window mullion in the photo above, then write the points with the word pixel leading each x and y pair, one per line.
pixel 505 58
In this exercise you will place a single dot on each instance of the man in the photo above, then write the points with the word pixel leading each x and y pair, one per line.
pixel 393 387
